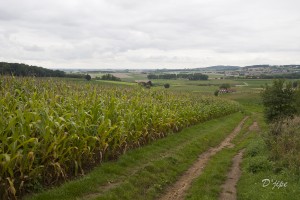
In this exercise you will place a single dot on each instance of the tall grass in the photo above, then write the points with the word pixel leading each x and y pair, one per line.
pixel 51 130
pixel 284 143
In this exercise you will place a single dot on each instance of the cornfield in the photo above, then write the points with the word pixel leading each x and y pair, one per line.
pixel 55 129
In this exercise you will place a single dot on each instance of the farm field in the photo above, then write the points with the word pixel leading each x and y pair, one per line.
pixel 67 127
pixel 119 140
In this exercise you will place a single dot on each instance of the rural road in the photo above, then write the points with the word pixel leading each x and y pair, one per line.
pixel 178 190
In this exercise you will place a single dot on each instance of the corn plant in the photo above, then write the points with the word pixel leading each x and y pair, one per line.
pixel 53 129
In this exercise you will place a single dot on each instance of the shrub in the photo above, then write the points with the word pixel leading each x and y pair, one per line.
pixel 216 93
pixel 167 85
pixel 225 86
pixel 88 77
pixel 284 143
pixel 279 101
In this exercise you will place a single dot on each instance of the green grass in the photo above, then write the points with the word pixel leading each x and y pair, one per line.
pixel 256 167
pixel 143 173
pixel 115 83
pixel 127 77
pixel 208 184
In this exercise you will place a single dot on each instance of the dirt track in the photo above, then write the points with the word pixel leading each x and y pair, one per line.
pixel 229 187
pixel 178 190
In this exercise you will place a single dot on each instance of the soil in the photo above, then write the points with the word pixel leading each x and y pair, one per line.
pixel 178 190
pixel 229 187
pixel 229 191
pixel 254 127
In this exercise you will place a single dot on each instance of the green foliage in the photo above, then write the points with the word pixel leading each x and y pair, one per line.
pixel 54 129
pixel 279 100
pixel 88 77
pixel 110 77
pixel 144 174
pixel 216 93
pixel 225 86
pixel 198 76
pixel 295 84
pixel 261 166
pixel 167 85
pixel 255 148
pixel 284 143
pixel 258 164
pixel 17 69
pixel 297 100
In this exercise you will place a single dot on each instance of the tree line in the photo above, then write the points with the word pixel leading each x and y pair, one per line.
pixel 275 76
pixel 194 76
pixel 109 77
pixel 16 69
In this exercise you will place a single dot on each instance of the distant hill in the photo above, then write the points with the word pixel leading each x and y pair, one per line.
pixel 221 68
pixel 273 66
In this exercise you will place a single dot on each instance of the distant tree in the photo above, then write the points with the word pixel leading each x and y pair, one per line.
pixel 297 99
pixel 225 86
pixel 152 76
pixel 167 76
pixel 198 76
pixel 279 100
pixel 216 93
pixel 110 77
pixel 182 75
pixel 167 85
pixel 295 84
pixel 17 69
pixel 75 75
pixel 88 77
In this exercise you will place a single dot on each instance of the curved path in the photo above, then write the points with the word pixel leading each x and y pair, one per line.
pixel 178 190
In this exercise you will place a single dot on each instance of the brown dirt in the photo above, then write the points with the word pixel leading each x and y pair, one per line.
pixel 254 127
pixel 178 190
pixel 229 187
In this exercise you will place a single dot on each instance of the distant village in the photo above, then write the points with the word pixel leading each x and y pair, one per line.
pixel 259 71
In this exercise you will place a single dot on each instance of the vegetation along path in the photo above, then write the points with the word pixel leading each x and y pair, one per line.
pixel 177 191
pixel 145 173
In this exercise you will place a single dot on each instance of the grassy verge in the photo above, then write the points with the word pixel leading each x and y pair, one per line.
pixel 143 173
pixel 208 185
pixel 279 182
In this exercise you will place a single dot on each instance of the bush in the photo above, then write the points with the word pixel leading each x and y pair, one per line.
pixel 279 101
pixel 88 77
pixel 110 77
pixel 167 85
pixel 225 86
pixel 216 93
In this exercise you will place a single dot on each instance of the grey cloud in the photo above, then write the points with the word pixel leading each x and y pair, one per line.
pixel 33 48
pixel 171 32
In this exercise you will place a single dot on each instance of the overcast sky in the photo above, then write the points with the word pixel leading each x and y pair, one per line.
pixel 149 33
